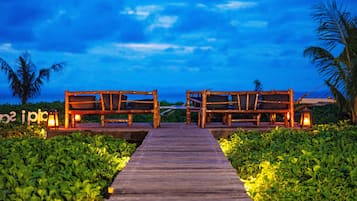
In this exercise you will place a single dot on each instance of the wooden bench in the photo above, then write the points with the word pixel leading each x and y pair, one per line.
pixel 239 106
pixel 105 103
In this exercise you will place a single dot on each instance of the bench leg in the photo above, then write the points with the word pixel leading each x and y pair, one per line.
pixel 188 116
pixel 130 120
pixel 73 121
pixel 286 120
pixel 258 119
pixel 202 120
pixel 102 120
pixel 229 119
pixel 224 119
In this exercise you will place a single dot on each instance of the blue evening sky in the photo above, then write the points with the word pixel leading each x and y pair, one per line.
pixel 169 45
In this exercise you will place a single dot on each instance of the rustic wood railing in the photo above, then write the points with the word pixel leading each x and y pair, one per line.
pixel 105 103
pixel 250 104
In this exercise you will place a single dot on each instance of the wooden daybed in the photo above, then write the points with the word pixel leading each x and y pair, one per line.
pixel 106 103
pixel 239 106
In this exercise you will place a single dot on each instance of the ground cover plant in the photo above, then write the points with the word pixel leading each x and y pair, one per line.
pixel 71 167
pixel 285 164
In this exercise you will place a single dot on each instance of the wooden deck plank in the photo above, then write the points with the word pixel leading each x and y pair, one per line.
pixel 178 164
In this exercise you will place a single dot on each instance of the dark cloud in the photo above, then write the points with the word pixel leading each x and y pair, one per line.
pixel 18 18
pixel 69 26
pixel 197 19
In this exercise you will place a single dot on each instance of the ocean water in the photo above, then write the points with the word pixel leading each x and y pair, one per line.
pixel 172 96
pixel 7 98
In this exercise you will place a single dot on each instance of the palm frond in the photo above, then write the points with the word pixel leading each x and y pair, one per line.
pixel 23 82
pixel 12 77
pixel 57 67
pixel 332 23
pixel 341 100
pixel 324 60
pixel 352 84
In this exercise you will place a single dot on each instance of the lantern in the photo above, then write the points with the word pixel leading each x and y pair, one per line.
pixel 288 116
pixel 306 118
pixel 77 117
pixel 52 119
pixel 273 118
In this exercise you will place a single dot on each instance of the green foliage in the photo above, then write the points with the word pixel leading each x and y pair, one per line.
pixel 16 130
pixel 288 164
pixel 326 114
pixel 72 167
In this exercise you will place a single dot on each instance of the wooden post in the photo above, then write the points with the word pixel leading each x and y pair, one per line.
pixel 292 120
pixel 203 109
pixel 188 112
pixel 102 120
pixel 102 117
pixel 156 115
pixel 66 109
pixel 130 120
pixel 229 119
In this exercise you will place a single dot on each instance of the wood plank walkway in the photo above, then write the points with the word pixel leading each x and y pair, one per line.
pixel 178 164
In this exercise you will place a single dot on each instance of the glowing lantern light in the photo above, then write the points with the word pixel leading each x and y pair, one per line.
pixel 306 118
pixel 52 119
pixel 110 190
pixel 273 118
pixel 77 117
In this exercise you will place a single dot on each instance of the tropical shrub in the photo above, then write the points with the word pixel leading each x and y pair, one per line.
pixel 18 130
pixel 72 167
pixel 285 164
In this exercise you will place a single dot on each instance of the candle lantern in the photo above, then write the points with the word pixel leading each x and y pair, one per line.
pixel 77 117
pixel 52 119
pixel 306 118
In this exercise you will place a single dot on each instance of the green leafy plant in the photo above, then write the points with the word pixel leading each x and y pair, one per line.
pixel 285 164
pixel 72 167
pixel 18 130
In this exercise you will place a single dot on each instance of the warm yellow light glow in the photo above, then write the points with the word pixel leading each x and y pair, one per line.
pixel 52 119
pixel 306 121
pixel 288 115
pixel 110 190
pixel 51 122
pixel 272 118
pixel 77 117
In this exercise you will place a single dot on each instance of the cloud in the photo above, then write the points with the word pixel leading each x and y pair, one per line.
pixel 68 26
pixel 163 43
pixel 235 5
pixel 18 18
pixel 142 12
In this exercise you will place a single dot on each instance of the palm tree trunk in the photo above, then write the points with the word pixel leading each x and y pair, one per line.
pixel 23 100
pixel 354 111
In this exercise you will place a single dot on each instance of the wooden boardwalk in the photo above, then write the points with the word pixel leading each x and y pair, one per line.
pixel 179 164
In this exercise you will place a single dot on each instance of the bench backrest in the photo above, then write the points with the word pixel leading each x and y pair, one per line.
pixel 113 101
pixel 141 104
pixel 245 101
pixel 275 100
pixel 217 102
pixel 82 102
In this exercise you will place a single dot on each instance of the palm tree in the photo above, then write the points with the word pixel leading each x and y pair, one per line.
pixel 257 85
pixel 23 81
pixel 338 31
